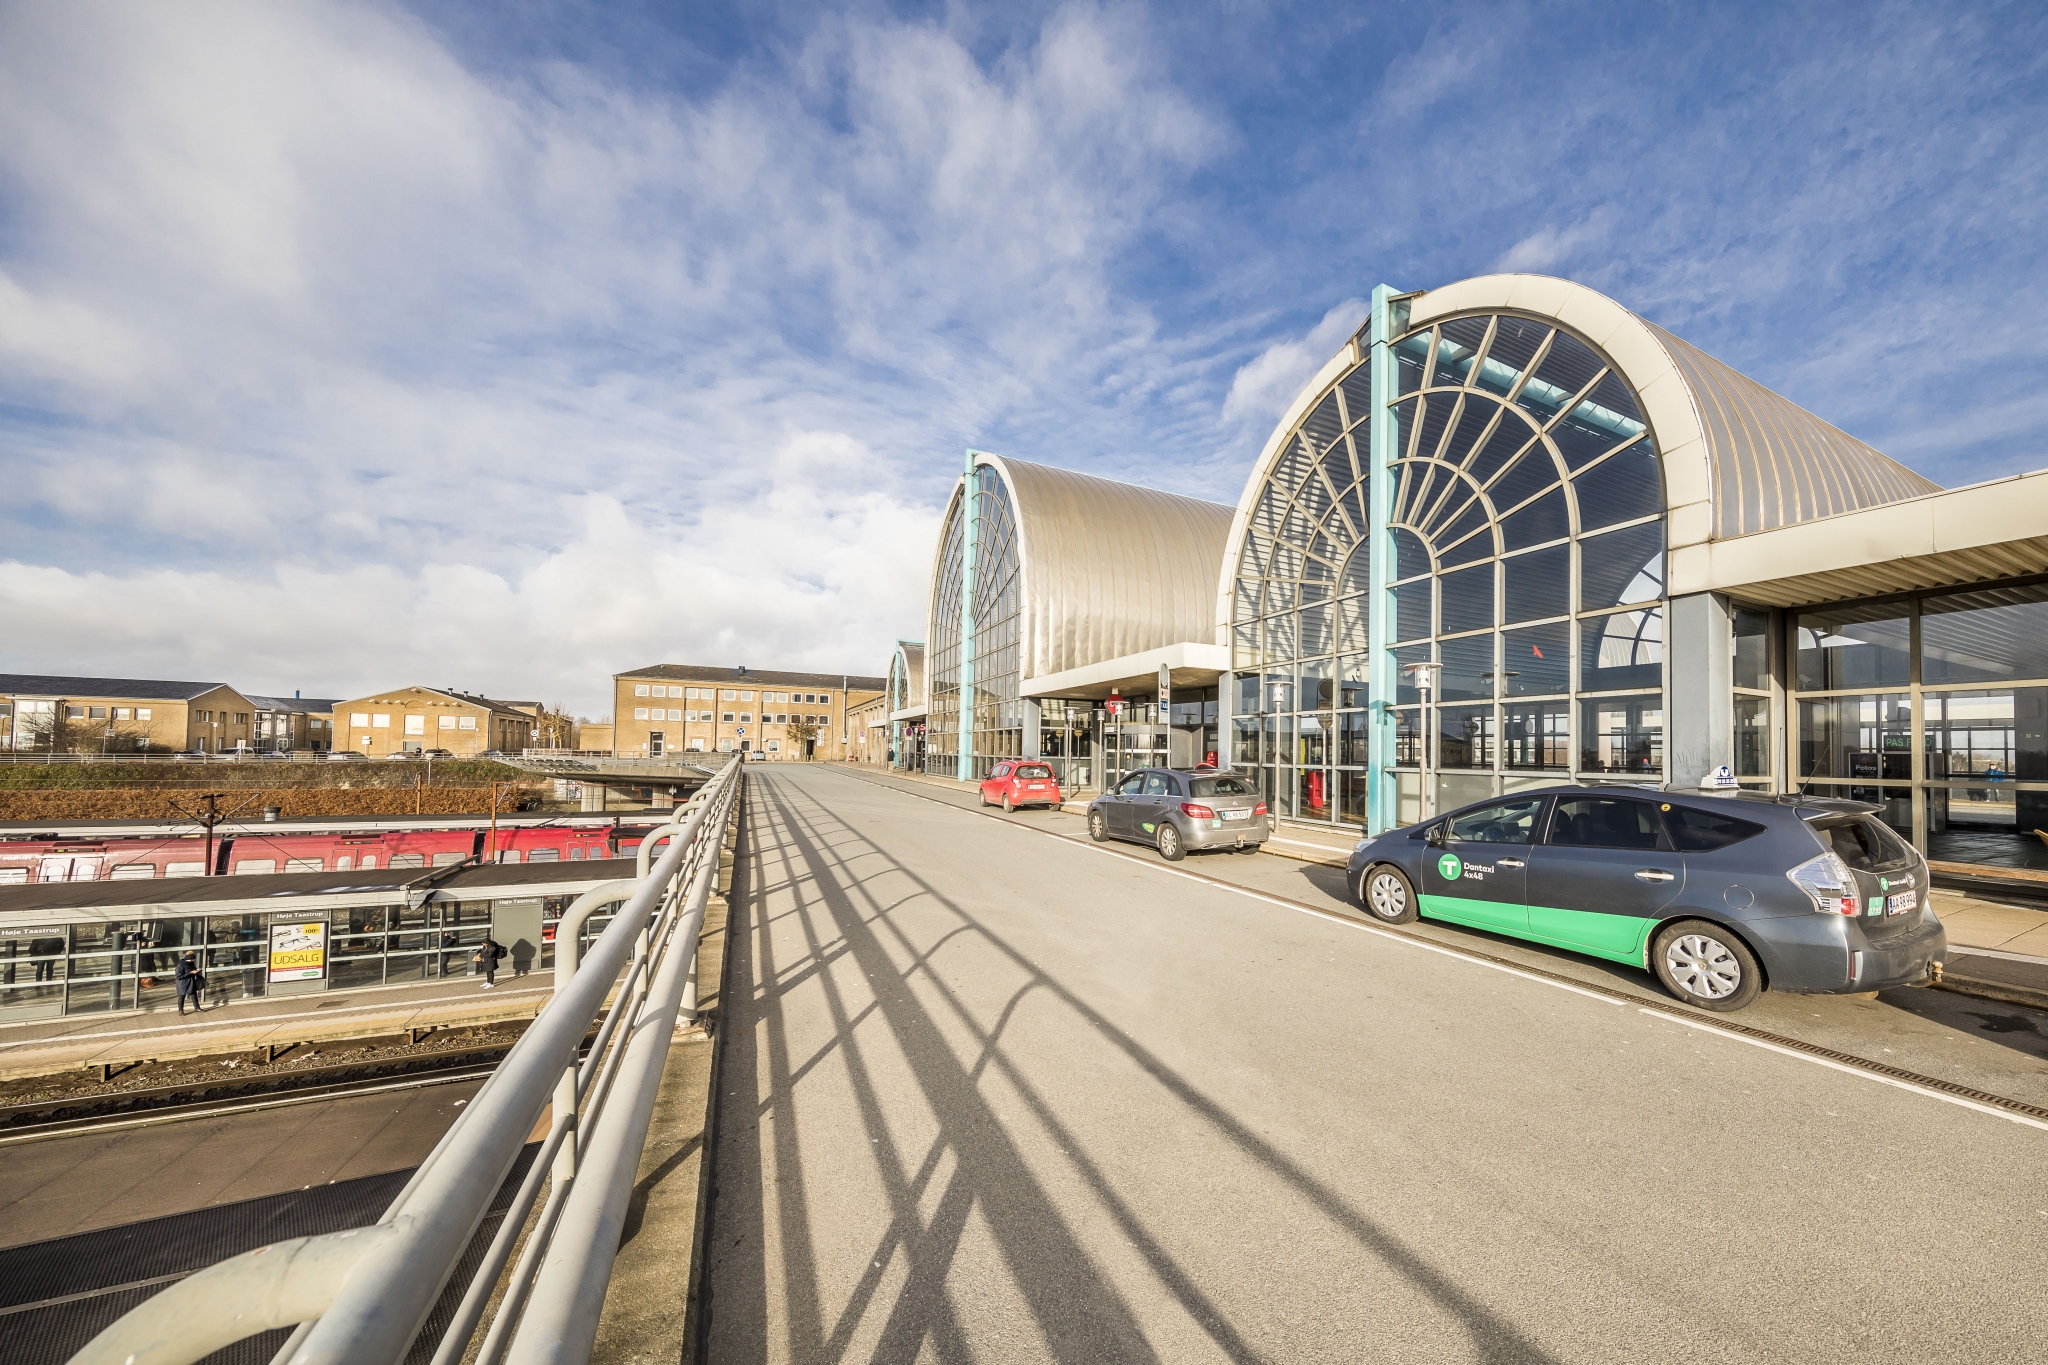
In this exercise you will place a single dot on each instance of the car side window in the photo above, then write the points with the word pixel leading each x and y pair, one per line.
pixel 1510 822
pixel 1703 831
pixel 1607 822
pixel 1158 784
pixel 1132 785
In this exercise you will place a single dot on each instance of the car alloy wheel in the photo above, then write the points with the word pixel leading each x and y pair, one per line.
pixel 1098 828
pixel 1170 846
pixel 1705 965
pixel 1385 893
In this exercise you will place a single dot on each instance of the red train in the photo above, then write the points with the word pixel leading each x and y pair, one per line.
pixel 113 853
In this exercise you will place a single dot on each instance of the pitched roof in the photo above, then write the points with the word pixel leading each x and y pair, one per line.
pixel 758 677
pixel 468 698
pixel 310 705
pixel 145 689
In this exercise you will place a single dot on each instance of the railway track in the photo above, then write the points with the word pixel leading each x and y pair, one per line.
pixel 68 1115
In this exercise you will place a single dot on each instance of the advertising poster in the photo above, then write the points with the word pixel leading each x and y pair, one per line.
pixel 298 952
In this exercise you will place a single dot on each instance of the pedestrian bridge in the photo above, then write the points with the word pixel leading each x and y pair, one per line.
pixel 986 1090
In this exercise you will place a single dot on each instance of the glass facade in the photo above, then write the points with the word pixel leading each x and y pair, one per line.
pixel 997 723
pixel 1527 564
pixel 1934 706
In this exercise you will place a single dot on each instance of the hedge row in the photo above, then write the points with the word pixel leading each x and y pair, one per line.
pixel 260 773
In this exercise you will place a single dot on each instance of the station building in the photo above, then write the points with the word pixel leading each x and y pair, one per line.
pixel 1607 555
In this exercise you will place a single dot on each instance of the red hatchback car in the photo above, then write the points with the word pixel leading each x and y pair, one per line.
pixel 1014 782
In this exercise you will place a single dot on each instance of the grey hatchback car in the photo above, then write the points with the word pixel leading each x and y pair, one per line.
pixel 1720 895
pixel 1175 811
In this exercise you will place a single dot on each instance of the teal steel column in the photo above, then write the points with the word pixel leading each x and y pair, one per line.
pixel 1381 797
pixel 969 507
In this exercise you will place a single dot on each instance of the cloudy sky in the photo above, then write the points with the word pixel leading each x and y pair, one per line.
pixel 505 346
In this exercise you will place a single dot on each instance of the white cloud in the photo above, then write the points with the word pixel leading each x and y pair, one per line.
pixel 1263 386
pixel 823 557
pixel 1549 248
pixel 360 363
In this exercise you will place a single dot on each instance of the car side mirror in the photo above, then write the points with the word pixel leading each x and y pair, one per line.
pixel 1435 837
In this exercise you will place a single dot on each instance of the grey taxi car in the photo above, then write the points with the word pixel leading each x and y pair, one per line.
pixel 1175 811
pixel 1721 894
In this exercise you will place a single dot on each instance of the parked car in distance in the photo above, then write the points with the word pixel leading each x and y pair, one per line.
pixel 437 753
pixel 757 756
pixel 1721 896
pixel 1176 811
pixel 279 753
pixel 343 756
pixel 1015 782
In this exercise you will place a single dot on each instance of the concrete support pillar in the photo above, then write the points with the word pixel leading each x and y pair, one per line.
pixel 1034 746
pixel 1699 675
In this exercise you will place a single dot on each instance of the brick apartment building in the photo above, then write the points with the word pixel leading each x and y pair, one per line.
pixel 40 712
pixel 414 719
pixel 689 707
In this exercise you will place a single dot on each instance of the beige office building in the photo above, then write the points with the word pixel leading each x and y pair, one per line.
pixel 415 719
pixel 668 708
pixel 43 713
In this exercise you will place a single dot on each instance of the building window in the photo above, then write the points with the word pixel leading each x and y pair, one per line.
pixel 359 719
pixel 465 722
pixel 142 713
pixel 746 696
pixel 995 729
pixel 1509 433
pixel 675 691
pixel 725 746
pixel 674 714
pixel 728 695
pixel 78 713
pixel 444 722
pixel 728 717
pixel 689 694
pixel 415 725
pixel 746 717
pixel 774 746
pixel 380 720
pixel 639 713
pixel 639 689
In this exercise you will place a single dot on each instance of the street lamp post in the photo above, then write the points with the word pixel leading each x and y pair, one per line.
pixel 1425 677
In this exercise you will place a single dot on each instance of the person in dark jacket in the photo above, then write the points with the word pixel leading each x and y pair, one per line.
pixel 190 983
pixel 487 957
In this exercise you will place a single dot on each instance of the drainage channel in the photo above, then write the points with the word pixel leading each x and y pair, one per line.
pixel 1650 1004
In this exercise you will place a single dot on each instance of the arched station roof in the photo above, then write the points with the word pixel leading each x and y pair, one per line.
pixel 1106 569
pixel 1736 458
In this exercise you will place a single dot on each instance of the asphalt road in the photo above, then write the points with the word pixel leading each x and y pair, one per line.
pixel 995 1095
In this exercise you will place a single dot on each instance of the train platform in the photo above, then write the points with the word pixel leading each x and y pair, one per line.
pixel 42 1047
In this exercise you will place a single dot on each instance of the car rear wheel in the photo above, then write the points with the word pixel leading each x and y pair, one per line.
pixel 1098 828
pixel 1385 894
pixel 1009 807
pixel 1705 965
pixel 1170 846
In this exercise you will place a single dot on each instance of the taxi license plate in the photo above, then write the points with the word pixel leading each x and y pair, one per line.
pixel 1237 815
pixel 1902 903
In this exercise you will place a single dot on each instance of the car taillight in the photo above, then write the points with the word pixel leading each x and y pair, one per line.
pixel 1196 812
pixel 1827 881
pixel 1259 809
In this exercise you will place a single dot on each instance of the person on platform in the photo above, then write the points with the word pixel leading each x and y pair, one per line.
pixel 190 983
pixel 487 956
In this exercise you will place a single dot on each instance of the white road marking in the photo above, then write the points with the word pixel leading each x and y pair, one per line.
pixel 1412 942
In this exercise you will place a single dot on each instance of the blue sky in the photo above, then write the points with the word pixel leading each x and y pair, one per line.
pixel 505 346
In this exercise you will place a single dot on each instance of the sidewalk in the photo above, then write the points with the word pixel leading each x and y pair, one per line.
pixel 42 1046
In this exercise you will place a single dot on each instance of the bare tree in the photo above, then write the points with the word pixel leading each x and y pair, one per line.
pixel 554 727
pixel 803 731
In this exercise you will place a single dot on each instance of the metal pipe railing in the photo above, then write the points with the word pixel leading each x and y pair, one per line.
pixel 366 1292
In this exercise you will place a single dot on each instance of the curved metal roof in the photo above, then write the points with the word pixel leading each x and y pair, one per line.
pixel 1107 569
pixel 1776 464
pixel 907 663
pixel 1737 457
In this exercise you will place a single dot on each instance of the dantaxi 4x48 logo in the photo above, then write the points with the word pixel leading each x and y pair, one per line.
pixel 1449 867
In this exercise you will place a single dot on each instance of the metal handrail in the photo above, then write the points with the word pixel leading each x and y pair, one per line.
pixel 362 1296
